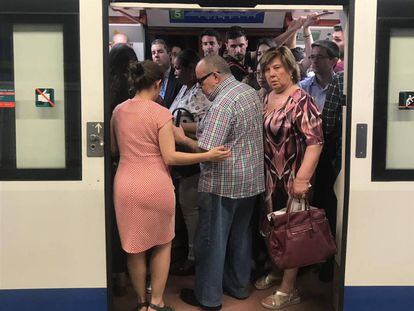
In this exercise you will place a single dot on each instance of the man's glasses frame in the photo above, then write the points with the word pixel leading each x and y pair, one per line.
pixel 203 78
pixel 318 57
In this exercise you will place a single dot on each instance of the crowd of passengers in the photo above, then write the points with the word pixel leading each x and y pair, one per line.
pixel 225 138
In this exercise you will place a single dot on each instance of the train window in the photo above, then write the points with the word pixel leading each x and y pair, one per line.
pixel 394 102
pixel 39 98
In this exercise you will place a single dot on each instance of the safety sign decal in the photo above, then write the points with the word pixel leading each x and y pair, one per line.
pixel 45 97
pixel 7 99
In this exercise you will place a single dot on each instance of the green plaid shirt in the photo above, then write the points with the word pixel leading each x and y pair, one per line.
pixel 235 120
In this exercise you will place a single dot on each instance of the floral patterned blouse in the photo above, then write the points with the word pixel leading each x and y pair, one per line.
pixel 192 99
pixel 287 132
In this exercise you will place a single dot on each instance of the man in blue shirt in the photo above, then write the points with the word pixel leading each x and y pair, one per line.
pixel 326 89
pixel 324 57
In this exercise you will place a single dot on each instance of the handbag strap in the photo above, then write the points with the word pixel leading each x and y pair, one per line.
pixel 183 110
pixel 301 200
pixel 289 208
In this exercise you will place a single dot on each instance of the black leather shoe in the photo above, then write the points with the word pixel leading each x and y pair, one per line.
pixel 187 295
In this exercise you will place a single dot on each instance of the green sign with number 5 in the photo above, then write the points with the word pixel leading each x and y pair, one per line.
pixel 176 14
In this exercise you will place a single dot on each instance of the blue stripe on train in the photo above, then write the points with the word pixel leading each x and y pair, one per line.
pixel 61 299
pixel 379 298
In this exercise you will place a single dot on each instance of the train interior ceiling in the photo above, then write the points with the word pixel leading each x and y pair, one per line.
pixel 182 27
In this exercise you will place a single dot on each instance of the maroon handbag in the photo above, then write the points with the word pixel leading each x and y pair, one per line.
pixel 301 238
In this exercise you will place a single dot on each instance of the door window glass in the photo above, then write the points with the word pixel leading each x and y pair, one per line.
pixel 39 96
pixel 400 129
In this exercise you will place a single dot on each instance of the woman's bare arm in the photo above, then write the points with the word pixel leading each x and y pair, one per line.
pixel 307 169
pixel 173 157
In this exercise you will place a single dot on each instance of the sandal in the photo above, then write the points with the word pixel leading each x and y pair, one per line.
pixel 142 305
pixel 158 308
pixel 281 300
pixel 267 281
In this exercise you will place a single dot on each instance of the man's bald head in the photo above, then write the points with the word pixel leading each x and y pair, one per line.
pixel 214 63
pixel 210 72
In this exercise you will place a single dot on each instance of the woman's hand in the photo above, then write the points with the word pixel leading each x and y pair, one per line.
pixel 300 188
pixel 218 154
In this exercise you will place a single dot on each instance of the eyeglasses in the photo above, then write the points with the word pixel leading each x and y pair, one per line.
pixel 318 57
pixel 202 79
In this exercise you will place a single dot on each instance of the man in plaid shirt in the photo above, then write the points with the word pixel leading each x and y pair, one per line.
pixel 332 119
pixel 330 160
pixel 228 189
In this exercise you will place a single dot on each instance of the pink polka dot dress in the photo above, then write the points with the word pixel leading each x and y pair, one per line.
pixel 143 190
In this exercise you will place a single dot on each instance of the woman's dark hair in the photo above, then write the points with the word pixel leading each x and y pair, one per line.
pixel 287 59
pixel 266 41
pixel 188 58
pixel 251 80
pixel 298 53
pixel 119 58
pixel 142 75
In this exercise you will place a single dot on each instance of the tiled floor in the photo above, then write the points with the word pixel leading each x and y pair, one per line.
pixel 316 296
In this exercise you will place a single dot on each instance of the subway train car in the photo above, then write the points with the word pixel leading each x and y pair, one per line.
pixel 55 162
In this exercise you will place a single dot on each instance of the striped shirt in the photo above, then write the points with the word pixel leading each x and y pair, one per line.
pixel 234 120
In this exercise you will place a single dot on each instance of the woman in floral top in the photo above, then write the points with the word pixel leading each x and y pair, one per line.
pixel 293 141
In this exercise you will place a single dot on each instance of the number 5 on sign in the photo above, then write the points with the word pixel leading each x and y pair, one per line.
pixel 176 14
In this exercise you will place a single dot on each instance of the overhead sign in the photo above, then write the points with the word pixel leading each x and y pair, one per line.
pixel 7 99
pixel 45 97
pixel 227 17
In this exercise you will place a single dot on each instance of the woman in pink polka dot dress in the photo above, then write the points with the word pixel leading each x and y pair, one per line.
pixel 142 133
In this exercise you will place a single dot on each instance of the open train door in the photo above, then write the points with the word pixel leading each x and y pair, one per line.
pixel 190 13
pixel 52 211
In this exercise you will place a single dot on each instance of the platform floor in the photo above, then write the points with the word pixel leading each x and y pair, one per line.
pixel 316 296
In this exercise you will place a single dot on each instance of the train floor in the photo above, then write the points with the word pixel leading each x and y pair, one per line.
pixel 316 296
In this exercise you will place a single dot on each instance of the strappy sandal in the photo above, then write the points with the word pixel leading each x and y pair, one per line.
pixel 267 281
pixel 281 300
pixel 142 305
pixel 158 308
